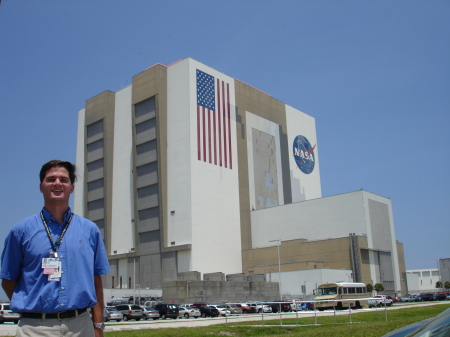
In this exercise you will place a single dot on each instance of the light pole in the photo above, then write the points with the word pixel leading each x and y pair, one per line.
pixel 279 265
pixel 187 291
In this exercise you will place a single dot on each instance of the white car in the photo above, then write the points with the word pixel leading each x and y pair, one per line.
pixel 380 301
pixel 6 315
pixel 223 311
pixel 266 308
pixel 188 312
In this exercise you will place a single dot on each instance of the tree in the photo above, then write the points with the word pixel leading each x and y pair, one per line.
pixel 438 284
pixel 378 287
pixel 369 287
pixel 447 285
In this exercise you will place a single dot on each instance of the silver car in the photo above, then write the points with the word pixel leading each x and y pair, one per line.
pixel 6 315
pixel 112 314
pixel 234 310
pixel 150 312
pixel 188 312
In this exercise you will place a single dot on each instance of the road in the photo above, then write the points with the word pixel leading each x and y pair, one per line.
pixel 9 329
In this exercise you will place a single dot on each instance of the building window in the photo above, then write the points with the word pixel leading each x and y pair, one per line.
pixel 112 282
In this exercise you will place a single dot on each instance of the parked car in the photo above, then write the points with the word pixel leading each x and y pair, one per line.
pixel 188 312
pixel 207 311
pixel 223 311
pixel 307 306
pixel 234 309
pixel 167 310
pixel 112 314
pixel 397 299
pixel 295 305
pixel 440 297
pixel 285 307
pixel 255 307
pixel 409 299
pixel 380 300
pixel 246 309
pixel 267 309
pixel 150 312
pixel 7 315
pixel 130 311
pixel 425 297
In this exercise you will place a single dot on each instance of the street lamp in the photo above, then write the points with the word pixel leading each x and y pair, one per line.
pixel 187 291
pixel 279 265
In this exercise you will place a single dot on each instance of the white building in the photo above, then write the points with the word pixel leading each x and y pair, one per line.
pixel 187 163
pixel 422 281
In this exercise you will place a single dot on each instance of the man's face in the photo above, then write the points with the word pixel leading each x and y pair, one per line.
pixel 56 186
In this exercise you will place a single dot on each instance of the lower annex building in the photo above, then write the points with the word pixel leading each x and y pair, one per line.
pixel 188 169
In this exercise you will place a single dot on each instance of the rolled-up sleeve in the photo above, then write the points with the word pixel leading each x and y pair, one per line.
pixel 12 257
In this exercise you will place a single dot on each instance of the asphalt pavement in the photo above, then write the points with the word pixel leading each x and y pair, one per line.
pixel 9 329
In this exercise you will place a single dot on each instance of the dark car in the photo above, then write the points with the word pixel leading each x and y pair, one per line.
pixel 440 297
pixel 167 310
pixel 425 297
pixel 206 311
pixel 284 306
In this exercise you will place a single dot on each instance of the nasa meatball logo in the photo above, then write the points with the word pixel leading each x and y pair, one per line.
pixel 304 154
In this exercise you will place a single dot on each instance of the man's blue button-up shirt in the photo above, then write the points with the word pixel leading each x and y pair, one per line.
pixel 82 255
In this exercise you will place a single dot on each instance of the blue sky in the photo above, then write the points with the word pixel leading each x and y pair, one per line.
pixel 374 74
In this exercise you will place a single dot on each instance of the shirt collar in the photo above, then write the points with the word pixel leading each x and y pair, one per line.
pixel 49 218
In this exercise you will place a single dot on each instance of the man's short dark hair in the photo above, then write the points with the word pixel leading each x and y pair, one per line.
pixel 55 163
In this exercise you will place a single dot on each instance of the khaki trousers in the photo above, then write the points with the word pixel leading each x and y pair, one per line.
pixel 80 326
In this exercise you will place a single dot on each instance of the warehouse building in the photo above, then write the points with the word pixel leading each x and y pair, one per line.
pixel 188 169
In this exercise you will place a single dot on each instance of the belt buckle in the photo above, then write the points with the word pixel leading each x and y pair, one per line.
pixel 58 313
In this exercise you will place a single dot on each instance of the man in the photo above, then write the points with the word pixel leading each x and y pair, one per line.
pixel 52 262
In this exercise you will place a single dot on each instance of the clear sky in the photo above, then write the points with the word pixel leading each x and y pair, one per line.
pixel 374 74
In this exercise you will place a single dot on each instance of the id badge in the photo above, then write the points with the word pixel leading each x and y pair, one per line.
pixel 56 275
pixel 50 263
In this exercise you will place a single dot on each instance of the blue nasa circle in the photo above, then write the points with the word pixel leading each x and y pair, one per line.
pixel 304 154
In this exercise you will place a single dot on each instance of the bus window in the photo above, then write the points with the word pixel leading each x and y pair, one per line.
pixel 327 291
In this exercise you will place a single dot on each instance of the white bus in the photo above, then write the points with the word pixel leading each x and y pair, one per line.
pixel 341 295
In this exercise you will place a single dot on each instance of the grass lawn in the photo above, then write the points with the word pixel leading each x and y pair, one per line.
pixel 364 324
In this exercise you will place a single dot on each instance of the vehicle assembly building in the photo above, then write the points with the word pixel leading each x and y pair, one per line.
pixel 188 169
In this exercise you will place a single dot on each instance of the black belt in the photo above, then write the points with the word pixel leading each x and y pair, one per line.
pixel 59 315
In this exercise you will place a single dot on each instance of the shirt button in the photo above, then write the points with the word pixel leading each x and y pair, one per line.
pixel 61 304
pixel 62 287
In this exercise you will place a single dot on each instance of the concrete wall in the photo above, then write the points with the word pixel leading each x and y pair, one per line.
pixel 218 292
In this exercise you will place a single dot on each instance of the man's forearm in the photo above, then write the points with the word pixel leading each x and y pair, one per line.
pixel 97 310
pixel 9 286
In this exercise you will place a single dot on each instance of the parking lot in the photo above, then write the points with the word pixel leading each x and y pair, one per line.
pixel 9 329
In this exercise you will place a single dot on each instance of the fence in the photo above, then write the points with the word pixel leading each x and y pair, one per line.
pixel 307 313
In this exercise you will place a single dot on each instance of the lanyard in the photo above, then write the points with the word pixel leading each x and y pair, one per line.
pixel 58 242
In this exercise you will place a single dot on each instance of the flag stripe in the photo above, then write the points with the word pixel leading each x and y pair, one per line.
pixel 204 136
pixel 209 135
pixel 198 134
pixel 224 126
pixel 220 125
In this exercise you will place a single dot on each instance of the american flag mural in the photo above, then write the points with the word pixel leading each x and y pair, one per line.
pixel 213 121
